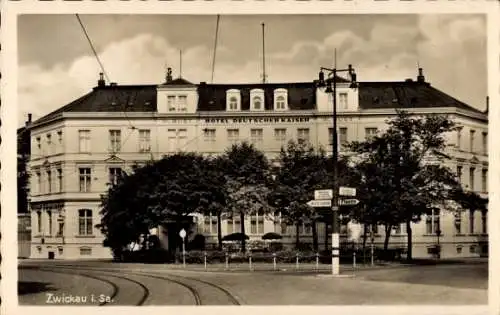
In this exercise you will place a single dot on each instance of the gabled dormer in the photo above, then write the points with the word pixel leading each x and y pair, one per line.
pixel 176 96
pixel 347 98
pixel 233 100
pixel 257 100
pixel 280 99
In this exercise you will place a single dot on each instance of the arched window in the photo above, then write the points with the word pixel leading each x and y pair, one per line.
pixel 233 103
pixel 85 222
pixel 280 102
pixel 257 103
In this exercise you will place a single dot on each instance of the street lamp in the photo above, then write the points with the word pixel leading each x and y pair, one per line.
pixel 331 87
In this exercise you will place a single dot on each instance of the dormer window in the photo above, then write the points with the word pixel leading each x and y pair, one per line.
pixel 257 103
pixel 233 103
pixel 233 98
pixel 280 99
pixel 257 99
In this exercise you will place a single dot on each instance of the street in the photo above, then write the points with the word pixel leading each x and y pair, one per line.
pixel 106 283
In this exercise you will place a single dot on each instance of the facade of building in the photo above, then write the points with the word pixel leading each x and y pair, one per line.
pixel 77 150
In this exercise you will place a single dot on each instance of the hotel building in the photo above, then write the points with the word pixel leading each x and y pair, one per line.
pixel 77 150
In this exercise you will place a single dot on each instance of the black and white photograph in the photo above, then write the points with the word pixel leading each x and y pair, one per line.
pixel 252 159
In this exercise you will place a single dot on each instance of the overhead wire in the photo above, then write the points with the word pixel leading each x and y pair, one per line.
pixel 215 47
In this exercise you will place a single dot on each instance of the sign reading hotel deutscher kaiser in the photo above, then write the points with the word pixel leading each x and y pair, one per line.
pixel 256 120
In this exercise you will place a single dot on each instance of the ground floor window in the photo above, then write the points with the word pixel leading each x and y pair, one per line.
pixel 85 251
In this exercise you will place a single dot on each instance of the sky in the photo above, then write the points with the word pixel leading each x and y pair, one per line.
pixel 57 65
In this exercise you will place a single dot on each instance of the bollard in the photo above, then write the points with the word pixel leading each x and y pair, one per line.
pixel 317 261
pixel 227 261
pixel 297 261
pixel 205 259
pixel 250 261
pixel 372 258
pixel 274 261
pixel 354 260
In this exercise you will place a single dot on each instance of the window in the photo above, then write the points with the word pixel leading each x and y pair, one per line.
pixel 85 179
pixel 472 134
pixel 114 175
pixel 280 135
pixel 458 223
pixel 85 222
pixel 60 137
pixel 60 232
pixel 84 140
pixel 485 143
pixel 233 103
pixel 40 184
pixel 144 140
pixel 236 225
pixel 484 222
pixel 260 223
pixel 459 138
pixel 343 136
pixel 343 101
pixel 39 221
pixel 459 173
pixel 471 222
pixel 210 224
pixel 182 103
pixel 49 181
pixel 397 229
pixel 230 226
pixel 171 103
pixel 85 251
pixel 472 170
pixel 115 140
pixel 60 179
pixel 257 103
pixel 370 132
pixel 375 229
pixel 49 214
pixel 303 134
pixel 256 137
pixel 253 224
pixel 307 228
pixel 484 180
pixel 233 135
pixel 39 145
pixel 49 144
pixel 209 135
pixel 459 249
pixel 182 138
pixel 280 103
pixel 432 222
pixel 472 249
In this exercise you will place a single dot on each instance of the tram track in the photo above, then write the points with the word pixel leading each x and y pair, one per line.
pixel 177 279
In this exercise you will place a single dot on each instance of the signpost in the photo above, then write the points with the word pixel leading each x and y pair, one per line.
pixel 320 203
pixel 348 202
pixel 347 191
pixel 323 194
pixel 182 234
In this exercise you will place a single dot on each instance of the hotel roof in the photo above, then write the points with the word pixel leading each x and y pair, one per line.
pixel 301 96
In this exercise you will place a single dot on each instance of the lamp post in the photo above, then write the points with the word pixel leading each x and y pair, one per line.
pixel 329 83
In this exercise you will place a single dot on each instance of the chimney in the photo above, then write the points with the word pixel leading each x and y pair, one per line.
pixel 420 78
pixel 101 81
pixel 28 122
pixel 169 75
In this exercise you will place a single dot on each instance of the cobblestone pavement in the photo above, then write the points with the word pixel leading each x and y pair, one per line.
pixel 457 284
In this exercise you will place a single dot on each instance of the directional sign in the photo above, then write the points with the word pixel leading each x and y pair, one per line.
pixel 320 203
pixel 323 194
pixel 348 202
pixel 347 191
pixel 182 233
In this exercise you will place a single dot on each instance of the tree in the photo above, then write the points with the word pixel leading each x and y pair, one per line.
pixel 403 175
pixel 301 171
pixel 167 190
pixel 247 182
